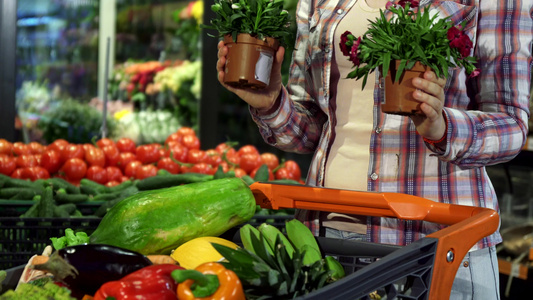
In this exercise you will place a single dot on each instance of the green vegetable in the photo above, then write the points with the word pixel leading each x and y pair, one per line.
pixel 71 198
pixel 60 183
pixel 45 208
pixel 19 193
pixel 27 291
pixel 70 239
pixel 166 181
pixel 158 221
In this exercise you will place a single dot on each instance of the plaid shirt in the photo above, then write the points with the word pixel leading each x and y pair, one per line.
pixel 487 116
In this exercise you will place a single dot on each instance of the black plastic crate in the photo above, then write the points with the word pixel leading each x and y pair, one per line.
pixel 21 238
pixel 15 208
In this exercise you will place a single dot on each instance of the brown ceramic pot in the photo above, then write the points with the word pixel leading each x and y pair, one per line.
pixel 399 95
pixel 249 61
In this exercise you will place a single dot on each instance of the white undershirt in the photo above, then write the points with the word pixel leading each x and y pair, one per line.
pixel 347 163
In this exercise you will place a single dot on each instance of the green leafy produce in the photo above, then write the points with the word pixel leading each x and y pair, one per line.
pixel 70 239
pixel 74 121
pixel 29 291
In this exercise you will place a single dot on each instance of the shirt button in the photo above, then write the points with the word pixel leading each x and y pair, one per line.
pixel 378 130
pixel 326 50
pixel 374 176
pixel 340 11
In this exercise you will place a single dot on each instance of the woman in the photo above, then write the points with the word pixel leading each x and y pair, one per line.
pixel 468 123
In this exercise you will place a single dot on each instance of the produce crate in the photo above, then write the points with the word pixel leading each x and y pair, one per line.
pixel 21 238
pixel 421 270
pixel 15 208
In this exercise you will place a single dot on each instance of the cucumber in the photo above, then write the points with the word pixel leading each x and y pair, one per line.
pixel 166 181
pixel 158 221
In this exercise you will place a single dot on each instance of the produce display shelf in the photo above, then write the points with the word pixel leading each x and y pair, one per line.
pixel 424 269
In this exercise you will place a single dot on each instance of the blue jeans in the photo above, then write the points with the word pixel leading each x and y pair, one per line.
pixel 477 277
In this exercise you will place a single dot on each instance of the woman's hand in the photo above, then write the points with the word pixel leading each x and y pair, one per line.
pixel 260 99
pixel 430 91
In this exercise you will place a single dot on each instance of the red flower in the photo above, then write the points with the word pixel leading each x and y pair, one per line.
pixel 413 3
pixel 460 41
pixel 353 52
pixel 474 73
pixel 345 48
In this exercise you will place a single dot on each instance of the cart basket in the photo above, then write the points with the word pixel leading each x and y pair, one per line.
pixel 424 269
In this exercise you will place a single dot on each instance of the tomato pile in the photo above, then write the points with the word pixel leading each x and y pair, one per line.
pixel 111 162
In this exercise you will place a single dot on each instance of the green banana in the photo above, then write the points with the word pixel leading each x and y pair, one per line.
pixel 302 237
pixel 311 255
pixel 336 268
pixel 245 233
pixel 271 233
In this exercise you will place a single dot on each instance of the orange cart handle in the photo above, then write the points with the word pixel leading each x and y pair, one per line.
pixel 468 224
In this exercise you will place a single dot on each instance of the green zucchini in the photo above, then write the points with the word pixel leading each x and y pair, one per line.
pixel 158 221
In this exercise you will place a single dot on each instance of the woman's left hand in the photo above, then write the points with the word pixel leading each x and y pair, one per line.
pixel 430 91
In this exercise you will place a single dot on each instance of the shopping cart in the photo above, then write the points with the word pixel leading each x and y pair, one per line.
pixel 424 269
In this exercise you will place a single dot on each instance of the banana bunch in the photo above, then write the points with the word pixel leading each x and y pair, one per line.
pixel 283 266
pixel 298 238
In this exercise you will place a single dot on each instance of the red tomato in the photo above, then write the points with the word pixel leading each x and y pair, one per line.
pixel 294 168
pixel 105 142
pixel 250 162
pixel 202 168
pixel 124 159
pixel 26 161
pixel 270 174
pixel 179 152
pixel 239 172
pixel 270 159
pixel 74 169
pixel 88 146
pixel 173 138
pixel 226 147
pixel 126 145
pixel 166 163
pixel 38 173
pixel 186 131
pixel 97 174
pixel 113 173
pixel 145 171
pixel 95 156
pixel 58 145
pixel 51 160
pixel 191 141
pixel 6 147
pixel 213 157
pixel 21 173
pixel 247 149
pixel 72 151
pixel 19 148
pixel 36 148
pixel 196 156
pixel 7 164
pixel 112 155
pixel 131 169
pixel 283 173
pixel 147 154
pixel 112 183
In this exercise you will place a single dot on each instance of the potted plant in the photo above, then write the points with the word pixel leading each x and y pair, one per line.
pixel 404 40
pixel 252 31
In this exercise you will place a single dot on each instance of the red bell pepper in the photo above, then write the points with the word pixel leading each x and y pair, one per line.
pixel 152 282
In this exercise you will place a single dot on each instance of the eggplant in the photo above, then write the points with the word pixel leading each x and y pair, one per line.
pixel 84 268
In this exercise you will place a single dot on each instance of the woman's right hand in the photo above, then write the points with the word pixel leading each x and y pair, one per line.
pixel 259 99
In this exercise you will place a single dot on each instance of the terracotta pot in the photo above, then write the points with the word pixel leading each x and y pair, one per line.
pixel 249 61
pixel 399 95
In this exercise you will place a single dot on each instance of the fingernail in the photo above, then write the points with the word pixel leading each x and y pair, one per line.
pixel 417 80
